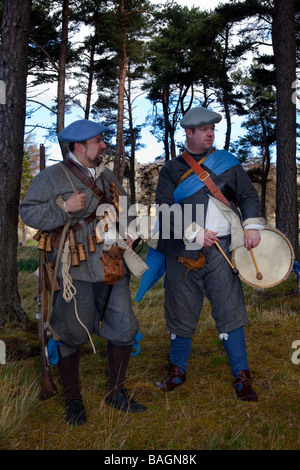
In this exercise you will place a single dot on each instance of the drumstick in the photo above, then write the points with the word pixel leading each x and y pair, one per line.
pixel 233 268
pixel 259 275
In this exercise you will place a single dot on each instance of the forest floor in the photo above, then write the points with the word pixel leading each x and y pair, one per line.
pixel 202 414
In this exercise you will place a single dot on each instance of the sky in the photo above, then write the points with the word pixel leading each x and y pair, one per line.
pixel 152 148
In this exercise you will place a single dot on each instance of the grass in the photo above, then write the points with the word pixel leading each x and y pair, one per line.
pixel 19 392
pixel 202 414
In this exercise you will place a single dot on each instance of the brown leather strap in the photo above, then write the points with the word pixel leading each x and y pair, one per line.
pixel 57 232
pixel 83 222
pixel 84 179
pixel 187 173
pixel 203 175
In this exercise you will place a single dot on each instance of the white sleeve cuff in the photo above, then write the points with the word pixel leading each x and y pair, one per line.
pixel 191 232
pixel 254 227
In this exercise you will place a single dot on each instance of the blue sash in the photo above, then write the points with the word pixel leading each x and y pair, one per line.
pixel 218 162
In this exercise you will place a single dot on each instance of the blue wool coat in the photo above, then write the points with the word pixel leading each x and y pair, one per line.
pixel 228 174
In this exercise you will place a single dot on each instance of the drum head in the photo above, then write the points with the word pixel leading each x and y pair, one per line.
pixel 274 258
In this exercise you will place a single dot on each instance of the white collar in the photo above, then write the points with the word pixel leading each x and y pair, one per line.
pixel 95 172
pixel 193 153
pixel 187 149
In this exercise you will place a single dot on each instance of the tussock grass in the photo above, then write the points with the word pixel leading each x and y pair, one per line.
pixel 202 414
pixel 18 396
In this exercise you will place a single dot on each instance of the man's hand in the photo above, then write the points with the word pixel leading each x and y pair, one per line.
pixel 129 241
pixel 206 238
pixel 76 202
pixel 252 238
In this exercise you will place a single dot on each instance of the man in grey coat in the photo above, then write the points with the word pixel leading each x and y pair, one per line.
pixel 56 197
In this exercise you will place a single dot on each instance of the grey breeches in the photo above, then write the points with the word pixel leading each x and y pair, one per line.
pixel 184 298
pixel 119 324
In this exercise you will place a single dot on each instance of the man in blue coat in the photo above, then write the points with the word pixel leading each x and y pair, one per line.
pixel 200 220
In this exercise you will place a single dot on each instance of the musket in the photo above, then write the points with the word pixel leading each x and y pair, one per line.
pixel 48 387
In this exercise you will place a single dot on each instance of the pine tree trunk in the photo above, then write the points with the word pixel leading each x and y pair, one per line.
pixel 13 72
pixel 90 82
pixel 285 62
pixel 132 145
pixel 165 106
pixel 265 169
pixel 225 93
pixel 119 163
pixel 62 75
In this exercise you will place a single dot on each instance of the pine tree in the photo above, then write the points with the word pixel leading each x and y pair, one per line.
pixel 13 72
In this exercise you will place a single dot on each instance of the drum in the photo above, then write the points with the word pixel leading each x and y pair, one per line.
pixel 273 259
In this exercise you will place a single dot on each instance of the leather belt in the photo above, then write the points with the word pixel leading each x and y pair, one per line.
pixel 56 233
pixel 83 222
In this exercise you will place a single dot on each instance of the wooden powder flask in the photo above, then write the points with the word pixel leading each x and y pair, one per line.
pixel 42 241
pixel 91 244
pixel 48 248
pixel 98 239
pixel 74 250
pixel 115 192
pixel 81 253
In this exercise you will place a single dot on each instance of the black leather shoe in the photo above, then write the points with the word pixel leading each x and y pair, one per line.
pixel 124 402
pixel 75 412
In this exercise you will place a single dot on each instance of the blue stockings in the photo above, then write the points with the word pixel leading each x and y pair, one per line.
pixel 234 345
pixel 180 353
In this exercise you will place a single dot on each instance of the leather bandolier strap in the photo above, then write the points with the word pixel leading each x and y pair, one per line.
pixel 80 175
pixel 56 233
pixel 187 173
pixel 203 175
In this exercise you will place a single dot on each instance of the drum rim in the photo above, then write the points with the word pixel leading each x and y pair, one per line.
pixel 271 229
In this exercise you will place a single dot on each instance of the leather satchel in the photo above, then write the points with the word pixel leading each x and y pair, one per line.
pixel 191 264
pixel 112 264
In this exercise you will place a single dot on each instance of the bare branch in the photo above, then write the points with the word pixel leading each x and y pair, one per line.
pixel 46 54
pixel 42 104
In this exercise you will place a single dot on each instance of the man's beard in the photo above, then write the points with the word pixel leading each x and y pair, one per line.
pixel 97 161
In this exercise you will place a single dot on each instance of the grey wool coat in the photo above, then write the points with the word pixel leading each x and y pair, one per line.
pixel 42 209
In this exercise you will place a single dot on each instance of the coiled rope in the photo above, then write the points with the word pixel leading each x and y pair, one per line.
pixel 69 291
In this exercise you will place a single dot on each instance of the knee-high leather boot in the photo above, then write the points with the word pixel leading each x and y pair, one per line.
pixel 68 368
pixel 118 360
pixel 118 396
